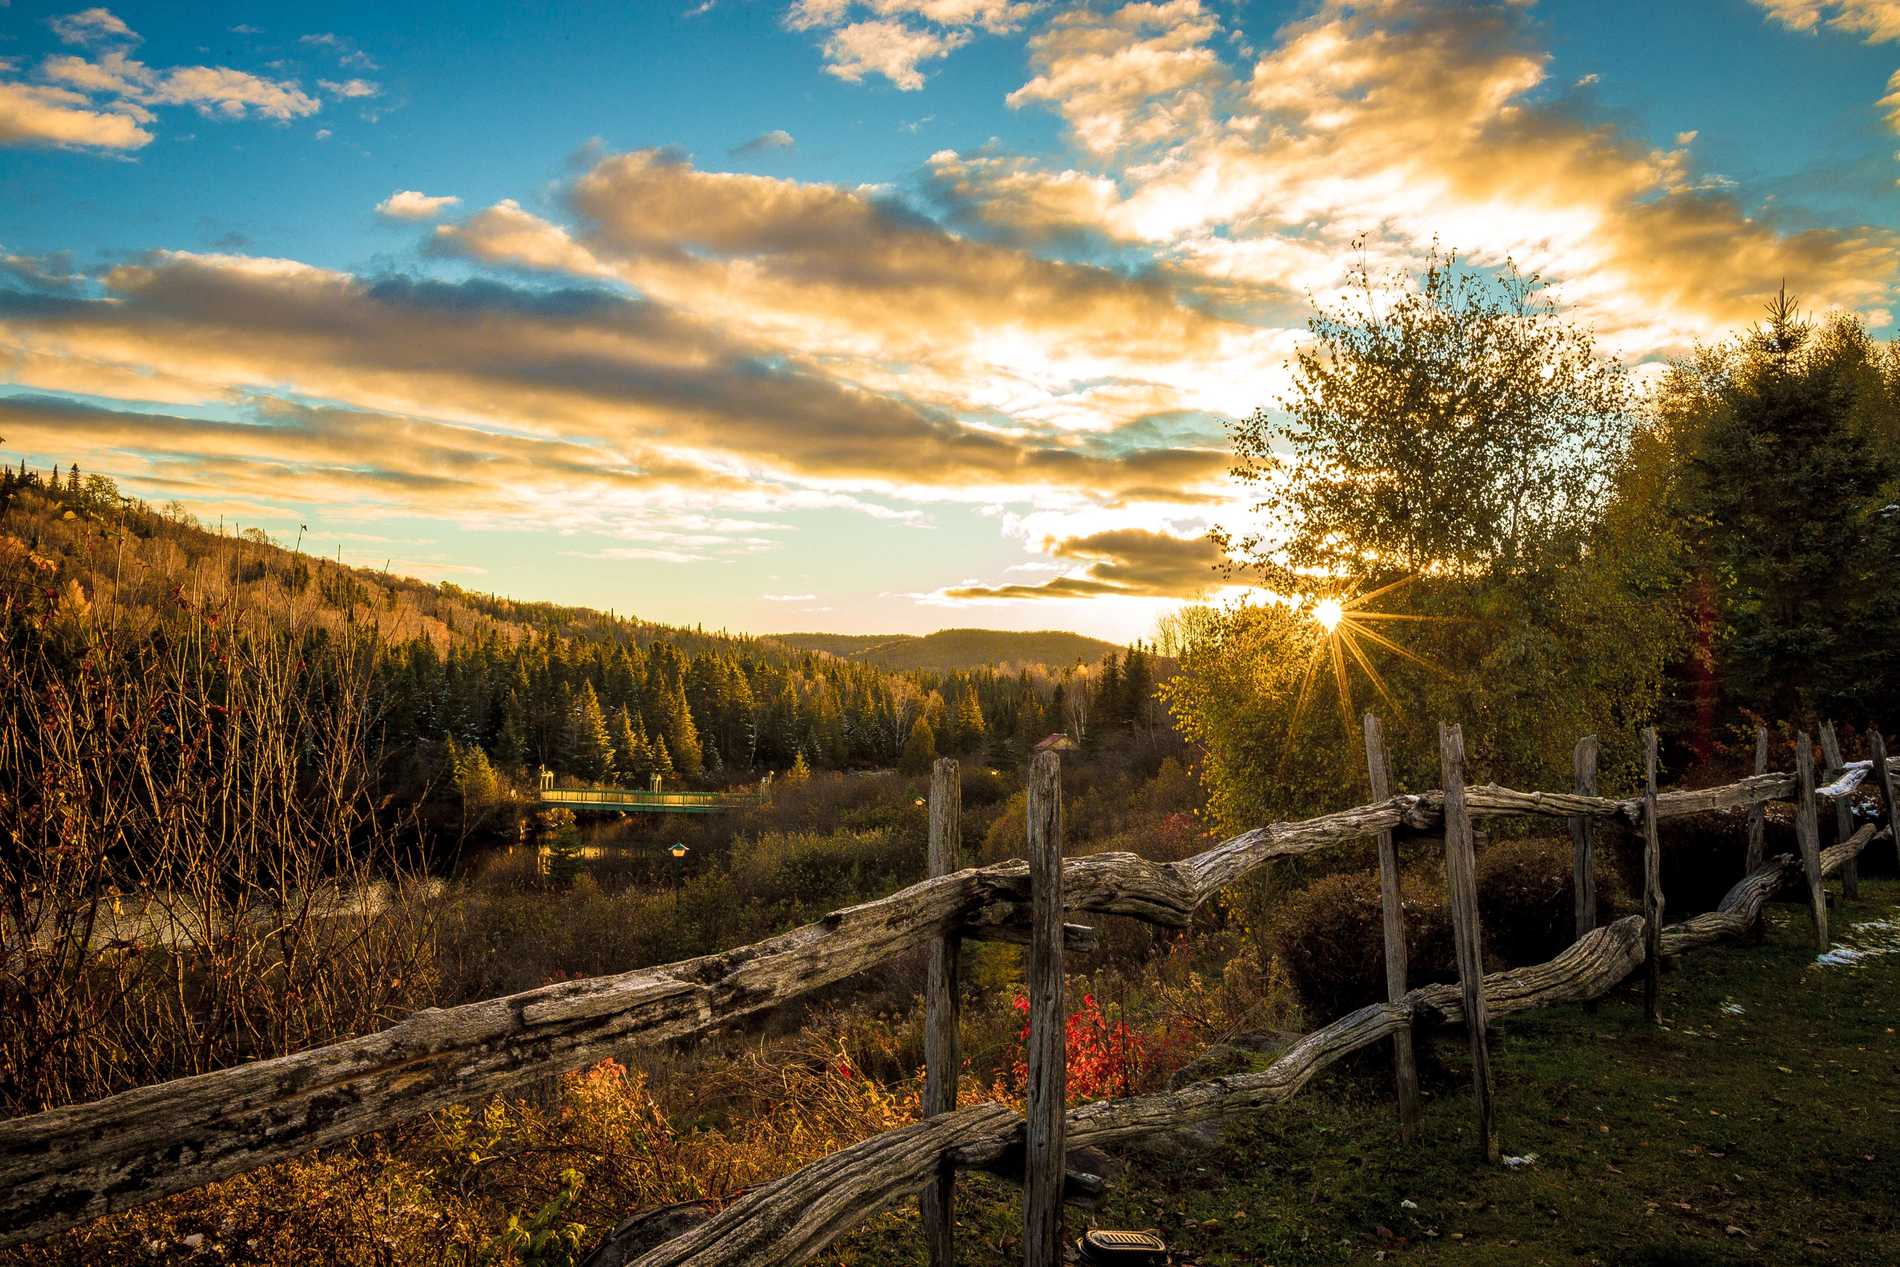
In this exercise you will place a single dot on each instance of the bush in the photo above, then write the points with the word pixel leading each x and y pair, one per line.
pixel 1703 855
pixel 1330 937
pixel 1527 903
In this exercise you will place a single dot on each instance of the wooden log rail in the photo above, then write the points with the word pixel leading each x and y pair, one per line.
pixel 64 1166
pixel 791 1219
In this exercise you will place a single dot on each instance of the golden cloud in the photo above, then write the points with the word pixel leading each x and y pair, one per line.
pixel 1123 563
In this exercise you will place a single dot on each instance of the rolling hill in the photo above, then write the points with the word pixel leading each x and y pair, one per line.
pixel 949 650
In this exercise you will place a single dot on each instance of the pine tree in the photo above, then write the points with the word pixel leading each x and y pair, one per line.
pixel 1110 698
pixel 682 736
pixel 630 756
pixel 920 749
pixel 591 747
pixel 970 727
pixel 1137 686
pixel 801 769
pixel 511 737
pixel 1787 488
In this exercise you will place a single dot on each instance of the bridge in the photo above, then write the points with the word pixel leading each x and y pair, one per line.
pixel 626 800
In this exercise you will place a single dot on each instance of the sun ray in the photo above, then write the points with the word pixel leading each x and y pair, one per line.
pixel 1396 649
pixel 1341 623
pixel 1306 691
pixel 1357 600
pixel 1435 620
pixel 1372 674
pixel 1339 677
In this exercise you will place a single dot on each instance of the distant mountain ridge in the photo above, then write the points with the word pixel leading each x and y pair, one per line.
pixel 950 650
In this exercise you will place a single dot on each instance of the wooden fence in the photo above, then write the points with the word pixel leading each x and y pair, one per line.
pixel 67 1165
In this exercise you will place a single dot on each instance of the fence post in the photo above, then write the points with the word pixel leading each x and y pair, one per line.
pixel 942 1005
pixel 1843 817
pixel 1583 874
pixel 1461 881
pixel 1757 818
pixel 1883 783
pixel 1404 1064
pixel 1757 829
pixel 1048 1067
pixel 1807 831
pixel 1652 886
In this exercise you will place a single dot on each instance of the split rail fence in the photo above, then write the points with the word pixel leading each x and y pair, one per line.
pixel 64 1166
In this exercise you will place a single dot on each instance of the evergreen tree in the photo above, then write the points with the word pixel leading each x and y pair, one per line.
pixel 682 736
pixel 511 737
pixel 630 754
pixel 591 747
pixel 1137 687
pixel 970 728
pixel 1110 697
pixel 1787 489
pixel 920 749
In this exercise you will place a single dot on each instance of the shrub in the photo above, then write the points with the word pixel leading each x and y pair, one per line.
pixel 1526 900
pixel 1330 937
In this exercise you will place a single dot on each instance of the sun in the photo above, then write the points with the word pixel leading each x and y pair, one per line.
pixel 1347 636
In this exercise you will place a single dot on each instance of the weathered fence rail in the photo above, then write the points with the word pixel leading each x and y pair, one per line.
pixel 66 1165
pixel 772 1226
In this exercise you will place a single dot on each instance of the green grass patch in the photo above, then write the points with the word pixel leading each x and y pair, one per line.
pixel 1760 1123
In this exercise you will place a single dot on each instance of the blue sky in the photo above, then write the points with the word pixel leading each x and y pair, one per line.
pixel 851 314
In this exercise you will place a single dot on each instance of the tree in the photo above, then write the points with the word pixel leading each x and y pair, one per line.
pixel 1458 424
pixel 1138 686
pixel 1789 470
pixel 1456 456
pixel 682 736
pixel 590 746
pixel 920 749
pixel 970 727
pixel 630 745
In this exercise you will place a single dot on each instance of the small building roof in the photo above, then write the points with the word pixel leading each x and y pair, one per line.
pixel 1058 742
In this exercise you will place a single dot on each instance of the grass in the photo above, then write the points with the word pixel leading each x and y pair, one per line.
pixel 1759 1123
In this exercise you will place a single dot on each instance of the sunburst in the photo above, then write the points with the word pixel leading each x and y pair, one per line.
pixel 1346 626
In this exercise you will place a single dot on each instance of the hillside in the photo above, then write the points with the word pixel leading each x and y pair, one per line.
pixel 951 650
pixel 589 695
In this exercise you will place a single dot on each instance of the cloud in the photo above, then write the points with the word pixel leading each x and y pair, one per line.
pixel 659 403
pixel 894 38
pixel 344 49
pixel 814 272
pixel 789 598
pixel 886 48
pixel 1878 21
pixel 1133 75
pixel 998 17
pixel 70 111
pixel 1122 563
pixel 349 89
pixel 1404 122
pixel 93 26
pixel 38 114
pixel 778 139
pixel 1890 103
pixel 413 204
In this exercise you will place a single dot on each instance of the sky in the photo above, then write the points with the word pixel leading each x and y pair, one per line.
pixel 854 315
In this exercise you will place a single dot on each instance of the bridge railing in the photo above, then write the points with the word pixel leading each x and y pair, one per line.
pixel 611 798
